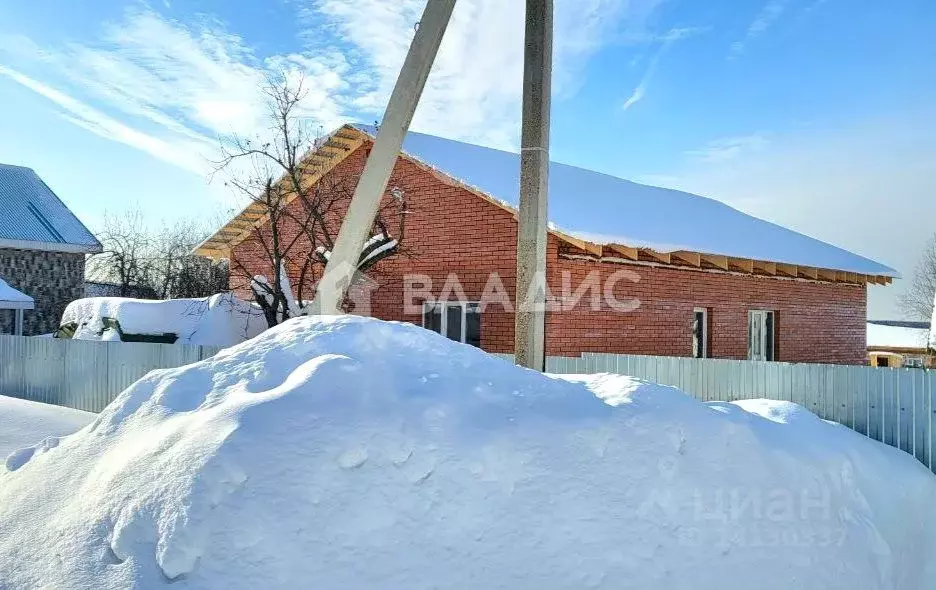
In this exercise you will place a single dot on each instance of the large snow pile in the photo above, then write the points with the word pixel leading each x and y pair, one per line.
pixel 24 422
pixel 219 320
pixel 346 452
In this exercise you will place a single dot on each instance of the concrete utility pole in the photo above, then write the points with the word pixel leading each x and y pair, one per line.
pixel 530 319
pixel 359 220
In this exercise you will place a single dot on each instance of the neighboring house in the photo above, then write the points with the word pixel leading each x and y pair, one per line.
pixel 42 249
pixel 706 279
pixel 900 344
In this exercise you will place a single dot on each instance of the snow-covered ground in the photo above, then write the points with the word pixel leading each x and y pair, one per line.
pixel 219 320
pixel 351 453
pixel 23 423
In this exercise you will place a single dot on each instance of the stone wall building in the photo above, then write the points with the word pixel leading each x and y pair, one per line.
pixel 630 268
pixel 42 249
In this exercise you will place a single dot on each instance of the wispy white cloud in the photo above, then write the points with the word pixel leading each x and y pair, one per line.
pixel 767 16
pixel 184 155
pixel 665 42
pixel 475 88
pixel 170 88
pixel 641 89
pixel 728 148
pixel 637 95
pixel 197 77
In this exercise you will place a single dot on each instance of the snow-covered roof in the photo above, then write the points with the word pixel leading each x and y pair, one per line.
pixel 597 212
pixel 10 298
pixel 219 320
pixel 35 218
pixel 902 335
pixel 603 209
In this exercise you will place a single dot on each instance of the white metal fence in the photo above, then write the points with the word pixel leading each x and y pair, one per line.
pixel 82 374
pixel 894 406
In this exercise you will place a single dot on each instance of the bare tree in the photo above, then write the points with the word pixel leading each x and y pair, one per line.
pixel 917 300
pixel 301 219
pixel 124 259
pixel 176 272
pixel 148 262
pixel 197 276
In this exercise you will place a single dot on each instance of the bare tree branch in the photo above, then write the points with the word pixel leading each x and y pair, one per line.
pixel 917 300
pixel 301 219
pixel 144 261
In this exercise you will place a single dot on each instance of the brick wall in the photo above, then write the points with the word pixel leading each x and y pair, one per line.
pixel 815 322
pixel 453 231
pixel 52 279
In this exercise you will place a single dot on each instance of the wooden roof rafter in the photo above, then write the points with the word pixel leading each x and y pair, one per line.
pixel 663 257
pixel 687 257
pixel 808 272
pixel 765 267
pixel 788 270
pixel 717 261
pixel 828 275
pixel 330 154
pixel 625 251
pixel 745 265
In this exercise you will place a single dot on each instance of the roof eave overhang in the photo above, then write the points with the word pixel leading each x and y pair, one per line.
pixel 17 305
pixel 51 246
pixel 623 253
pixel 325 157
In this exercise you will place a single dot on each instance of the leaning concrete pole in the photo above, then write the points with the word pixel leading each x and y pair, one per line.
pixel 358 221
pixel 530 318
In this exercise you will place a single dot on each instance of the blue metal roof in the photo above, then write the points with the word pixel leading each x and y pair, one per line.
pixel 33 213
pixel 604 209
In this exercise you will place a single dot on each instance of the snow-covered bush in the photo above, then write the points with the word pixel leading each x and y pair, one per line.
pixel 219 320
pixel 345 452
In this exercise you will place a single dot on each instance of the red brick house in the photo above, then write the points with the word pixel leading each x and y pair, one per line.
pixel 702 279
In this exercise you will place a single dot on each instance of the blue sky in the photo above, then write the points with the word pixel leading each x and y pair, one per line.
pixel 816 114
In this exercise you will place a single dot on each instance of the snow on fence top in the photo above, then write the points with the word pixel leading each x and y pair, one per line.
pixel 604 209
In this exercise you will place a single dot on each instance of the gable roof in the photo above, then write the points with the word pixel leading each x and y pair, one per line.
pixel 605 216
pixel 34 218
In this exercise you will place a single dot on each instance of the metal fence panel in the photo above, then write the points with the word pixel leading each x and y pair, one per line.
pixel 81 374
pixel 894 406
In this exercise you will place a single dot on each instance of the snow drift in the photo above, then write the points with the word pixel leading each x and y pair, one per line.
pixel 22 422
pixel 346 452
pixel 219 320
